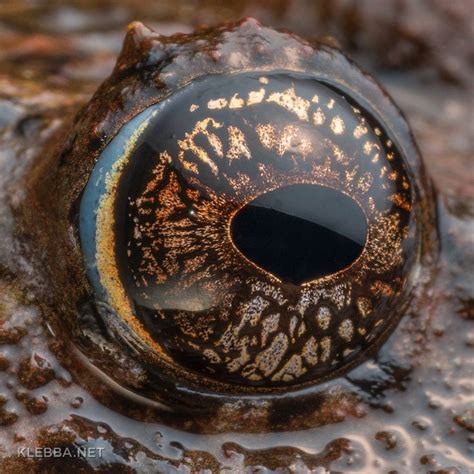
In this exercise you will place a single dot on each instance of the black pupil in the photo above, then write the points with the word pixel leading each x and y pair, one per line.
pixel 300 232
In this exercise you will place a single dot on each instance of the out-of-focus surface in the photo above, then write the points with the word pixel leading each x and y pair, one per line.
pixel 53 56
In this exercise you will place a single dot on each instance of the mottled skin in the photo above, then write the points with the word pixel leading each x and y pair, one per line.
pixel 328 403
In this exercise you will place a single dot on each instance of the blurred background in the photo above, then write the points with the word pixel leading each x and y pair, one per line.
pixel 421 50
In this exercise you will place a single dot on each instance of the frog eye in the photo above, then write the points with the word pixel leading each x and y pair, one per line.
pixel 248 222
pixel 256 230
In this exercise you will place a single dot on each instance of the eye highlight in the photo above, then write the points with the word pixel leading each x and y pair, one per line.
pixel 255 230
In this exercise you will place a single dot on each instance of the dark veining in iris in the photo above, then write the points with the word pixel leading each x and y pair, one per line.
pixel 301 232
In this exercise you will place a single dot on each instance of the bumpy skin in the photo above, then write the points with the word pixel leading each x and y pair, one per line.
pixel 369 156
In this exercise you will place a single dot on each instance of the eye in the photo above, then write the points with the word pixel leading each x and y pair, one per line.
pixel 242 224
pixel 255 230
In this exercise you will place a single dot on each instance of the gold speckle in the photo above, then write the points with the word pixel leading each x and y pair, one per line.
pixel 293 323
pixel 365 182
pixel 346 329
pixel 364 306
pixel 377 131
pixel 381 288
pixel 269 325
pixel 369 146
pixel 236 102
pixel 291 102
pixel 255 97
pixel 293 368
pixel 212 356
pixel 323 317
pixel 392 176
pixel 326 348
pixel 309 352
pixel 315 99
pixel 340 156
pixel 319 117
pixel 263 80
pixel 267 361
pixel 217 103
pixel 400 201
pixel 350 175
pixel 331 104
pixel 267 135
pixel 237 144
pixel 291 138
pixel 337 125
pixel 360 130
pixel 193 107
pixel 188 144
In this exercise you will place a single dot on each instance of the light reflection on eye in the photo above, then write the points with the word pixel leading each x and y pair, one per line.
pixel 255 230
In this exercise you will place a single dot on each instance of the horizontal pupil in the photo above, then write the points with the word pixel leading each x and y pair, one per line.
pixel 300 232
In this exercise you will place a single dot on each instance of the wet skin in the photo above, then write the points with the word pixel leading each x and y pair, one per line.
pixel 417 384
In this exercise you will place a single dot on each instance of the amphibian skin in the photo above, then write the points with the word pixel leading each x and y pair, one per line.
pixel 165 303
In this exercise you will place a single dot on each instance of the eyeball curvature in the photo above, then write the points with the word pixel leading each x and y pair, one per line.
pixel 167 255
pixel 254 223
